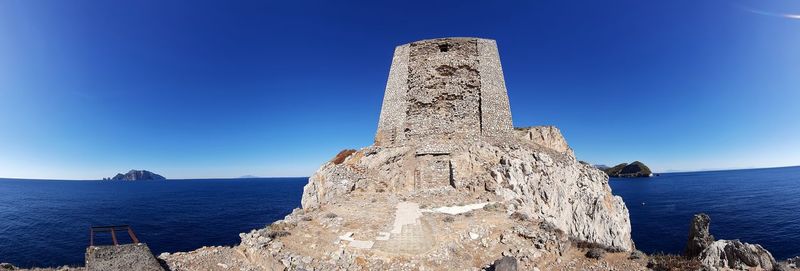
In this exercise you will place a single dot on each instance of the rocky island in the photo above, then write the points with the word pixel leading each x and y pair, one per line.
pixel 136 175
pixel 633 170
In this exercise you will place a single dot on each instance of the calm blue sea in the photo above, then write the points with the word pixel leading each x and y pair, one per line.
pixel 46 223
pixel 756 206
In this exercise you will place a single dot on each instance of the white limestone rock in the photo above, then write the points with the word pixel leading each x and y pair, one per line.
pixel 539 181
pixel 546 136
pixel 574 197
pixel 734 254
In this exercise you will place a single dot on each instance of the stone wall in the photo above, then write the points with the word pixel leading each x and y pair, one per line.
pixel 495 108
pixel 393 112
pixel 433 171
pixel 122 257
pixel 441 90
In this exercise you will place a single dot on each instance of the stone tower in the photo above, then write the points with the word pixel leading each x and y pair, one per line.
pixel 441 90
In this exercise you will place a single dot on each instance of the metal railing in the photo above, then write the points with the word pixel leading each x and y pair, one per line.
pixel 113 230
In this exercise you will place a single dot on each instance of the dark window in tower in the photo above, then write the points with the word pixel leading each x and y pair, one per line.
pixel 444 47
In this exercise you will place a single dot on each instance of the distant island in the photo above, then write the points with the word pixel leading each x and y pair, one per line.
pixel 633 170
pixel 249 177
pixel 136 175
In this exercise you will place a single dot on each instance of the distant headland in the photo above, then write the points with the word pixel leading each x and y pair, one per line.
pixel 136 175
pixel 633 170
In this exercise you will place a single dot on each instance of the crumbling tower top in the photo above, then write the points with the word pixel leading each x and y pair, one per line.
pixel 441 90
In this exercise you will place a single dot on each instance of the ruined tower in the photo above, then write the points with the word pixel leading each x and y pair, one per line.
pixel 441 90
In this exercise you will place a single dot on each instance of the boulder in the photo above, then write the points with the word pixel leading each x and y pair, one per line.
pixel 699 236
pixel 793 262
pixel 736 255
pixel 505 264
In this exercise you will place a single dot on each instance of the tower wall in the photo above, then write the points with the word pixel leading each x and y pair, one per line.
pixel 393 112
pixel 445 89
pixel 495 108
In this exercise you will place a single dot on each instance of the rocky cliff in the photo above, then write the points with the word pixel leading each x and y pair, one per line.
pixel 545 136
pixel 137 175
pixel 541 182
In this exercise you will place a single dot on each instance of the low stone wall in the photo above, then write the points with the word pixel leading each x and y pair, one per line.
pixel 121 258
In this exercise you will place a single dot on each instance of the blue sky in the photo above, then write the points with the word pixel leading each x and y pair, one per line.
pixel 226 88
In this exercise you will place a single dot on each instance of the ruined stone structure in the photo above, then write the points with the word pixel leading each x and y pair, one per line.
pixel 444 89
pixel 121 257
pixel 449 184
pixel 445 127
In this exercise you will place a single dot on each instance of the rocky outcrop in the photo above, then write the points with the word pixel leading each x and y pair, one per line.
pixel 736 255
pixel 699 236
pixel 793 262
pixel 633 170
pixel 137 175
pixel 724 254
pixel 572 196
pixel 538 181
pixel 546 136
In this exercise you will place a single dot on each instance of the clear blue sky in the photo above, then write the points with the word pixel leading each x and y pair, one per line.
pixel 227 88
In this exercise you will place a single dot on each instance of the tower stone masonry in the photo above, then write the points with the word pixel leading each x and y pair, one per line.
pixel 441 90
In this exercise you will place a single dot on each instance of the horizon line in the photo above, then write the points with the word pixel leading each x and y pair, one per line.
pixel 167 179
pixel 298 177
pixel 724 169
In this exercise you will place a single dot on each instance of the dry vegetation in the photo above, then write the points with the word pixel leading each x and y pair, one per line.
pixel 280 229
pixel 671 262
pixel 342 155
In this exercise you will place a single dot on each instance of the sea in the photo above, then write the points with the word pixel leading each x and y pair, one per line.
pixel 760 206
pixel 46 222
